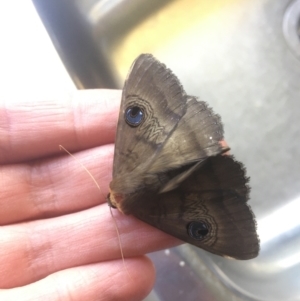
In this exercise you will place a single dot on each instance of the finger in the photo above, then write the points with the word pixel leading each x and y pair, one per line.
pixel 34 250
pixel 82 120
pixel 96 282
pixel 52 187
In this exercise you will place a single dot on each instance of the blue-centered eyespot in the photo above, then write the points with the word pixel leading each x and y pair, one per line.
pixel 197 230
pixel 134 115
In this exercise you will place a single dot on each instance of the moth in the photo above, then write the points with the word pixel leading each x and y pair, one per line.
pixel 170 169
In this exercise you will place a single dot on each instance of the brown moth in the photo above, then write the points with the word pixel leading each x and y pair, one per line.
pixel 169 168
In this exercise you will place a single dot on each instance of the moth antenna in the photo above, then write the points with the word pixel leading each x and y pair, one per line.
pixel 89 173
pixel 120 243
pixel 114 220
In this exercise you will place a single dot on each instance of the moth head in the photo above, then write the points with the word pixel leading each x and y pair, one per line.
pixel 114 200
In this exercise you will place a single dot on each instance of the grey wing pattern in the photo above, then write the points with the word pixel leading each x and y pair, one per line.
pixel 154 89
pixel 215 197
pixel 177 129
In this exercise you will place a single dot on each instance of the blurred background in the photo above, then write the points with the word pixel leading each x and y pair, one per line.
pixel 240 56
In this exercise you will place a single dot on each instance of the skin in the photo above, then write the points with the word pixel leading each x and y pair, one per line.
pixel 58 239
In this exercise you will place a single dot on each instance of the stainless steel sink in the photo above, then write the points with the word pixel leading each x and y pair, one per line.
pixel 242 57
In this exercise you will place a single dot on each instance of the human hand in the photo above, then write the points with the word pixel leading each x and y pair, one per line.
pixel 58 240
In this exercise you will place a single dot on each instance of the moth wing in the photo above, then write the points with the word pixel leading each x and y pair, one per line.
pixel 214 196
pixel 157 91
pixel 177 129
pixel 196 137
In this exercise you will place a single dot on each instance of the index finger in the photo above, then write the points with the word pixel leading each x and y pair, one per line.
pixel 81 120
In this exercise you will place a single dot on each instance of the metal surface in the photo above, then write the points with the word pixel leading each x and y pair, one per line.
pixel 291 27
pixel 236 55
